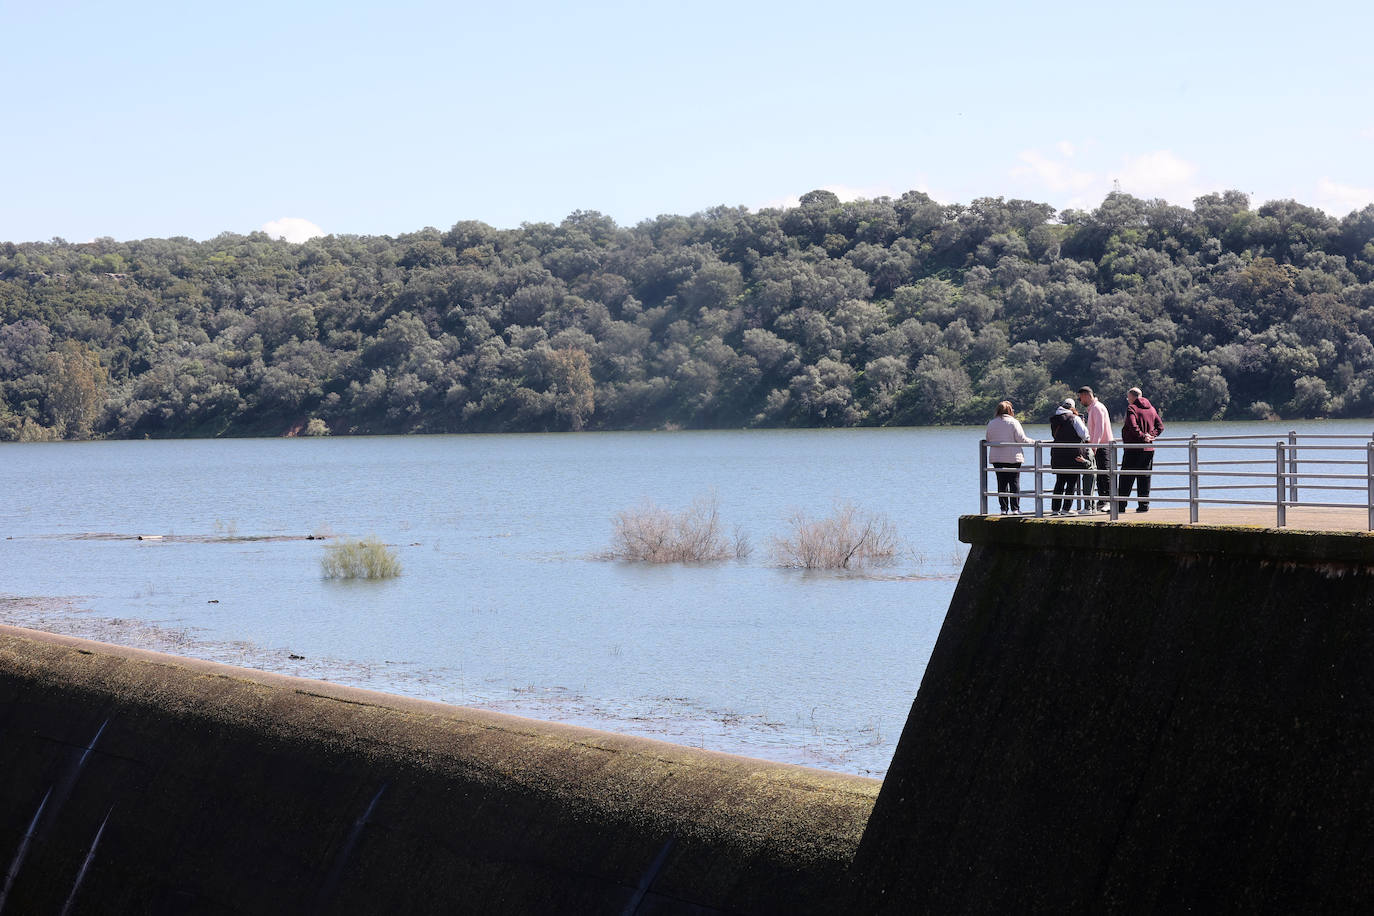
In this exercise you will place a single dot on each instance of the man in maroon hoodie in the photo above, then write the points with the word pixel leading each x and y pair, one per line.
pixel 1142 426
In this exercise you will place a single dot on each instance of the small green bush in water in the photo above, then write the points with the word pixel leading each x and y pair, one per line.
pixel 365 559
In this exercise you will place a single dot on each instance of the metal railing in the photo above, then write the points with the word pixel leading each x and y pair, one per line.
pixel 1312 470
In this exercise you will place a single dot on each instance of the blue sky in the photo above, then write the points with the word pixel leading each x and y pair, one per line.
pixel 148 119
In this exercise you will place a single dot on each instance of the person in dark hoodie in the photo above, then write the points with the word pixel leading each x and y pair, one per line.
pixel 1142 426
pixel 1067 426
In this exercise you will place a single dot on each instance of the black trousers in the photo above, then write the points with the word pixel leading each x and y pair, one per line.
pixel 1104 483
pixel 1008 482
pixel 1065 485
pixel 1135 459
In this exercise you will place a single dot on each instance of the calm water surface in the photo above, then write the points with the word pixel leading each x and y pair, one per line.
pixel 503 603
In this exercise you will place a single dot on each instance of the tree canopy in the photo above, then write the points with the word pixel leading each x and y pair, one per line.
pixel 831 313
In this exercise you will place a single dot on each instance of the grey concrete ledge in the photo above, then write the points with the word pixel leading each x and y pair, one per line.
pixel 1354 548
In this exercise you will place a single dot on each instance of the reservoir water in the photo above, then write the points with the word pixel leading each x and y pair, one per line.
pixel 503 602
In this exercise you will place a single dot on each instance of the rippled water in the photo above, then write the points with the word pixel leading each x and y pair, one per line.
pixel 503 603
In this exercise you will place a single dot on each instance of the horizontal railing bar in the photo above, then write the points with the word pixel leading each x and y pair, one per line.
pixel 1093 497
pixel 1231 486
pixel 1265 475
pixel 1218 462
pixel 1226 462
pixel 1153 497
pixel 1239 502
pixel 1308 462
pixel 1176 467
pixel 1329 487
pixel 1264 441
pixel 1156 473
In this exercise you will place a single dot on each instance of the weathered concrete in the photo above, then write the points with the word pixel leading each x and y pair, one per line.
pixel 134 782
pixel 1139 718
pixel 1298 518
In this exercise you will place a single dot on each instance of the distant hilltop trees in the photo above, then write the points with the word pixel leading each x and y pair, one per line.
pixel 866 313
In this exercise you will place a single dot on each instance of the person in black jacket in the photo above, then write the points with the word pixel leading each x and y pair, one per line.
pixel 1067 426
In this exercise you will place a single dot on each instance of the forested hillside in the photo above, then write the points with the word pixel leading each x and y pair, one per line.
pixel 873 312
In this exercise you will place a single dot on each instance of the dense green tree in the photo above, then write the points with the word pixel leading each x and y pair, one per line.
pixel 828 313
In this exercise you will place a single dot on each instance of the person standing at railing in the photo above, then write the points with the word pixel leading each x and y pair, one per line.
pixel 1143 425
pixel 1067 426
pixel 1005 437
pixel 1099 437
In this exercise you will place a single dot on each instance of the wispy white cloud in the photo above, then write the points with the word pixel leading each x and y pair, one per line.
pixel 843 192
pixel 1160 174
pixel 1368 132
pixel 1055 174
pixel 1078 175
pixel 777 203
pixel 292 229
pixel 1339 199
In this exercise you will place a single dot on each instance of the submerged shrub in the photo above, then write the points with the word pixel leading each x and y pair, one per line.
pixel 846 539
pixel 651 534
pixel 365 559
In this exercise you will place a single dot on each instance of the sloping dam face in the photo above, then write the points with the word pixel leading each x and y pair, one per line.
pixel 1138 718
pixel 132 782
pixel 1116 718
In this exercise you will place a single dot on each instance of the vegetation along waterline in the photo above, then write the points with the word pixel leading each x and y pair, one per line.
pixel 872 312
pixel 847 538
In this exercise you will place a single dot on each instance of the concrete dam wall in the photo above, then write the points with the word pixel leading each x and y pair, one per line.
pixel 134 782
pixel 1116 718
pixel 1142 718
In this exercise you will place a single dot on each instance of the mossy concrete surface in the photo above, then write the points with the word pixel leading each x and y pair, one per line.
pixel 135 782
pixel 1143 718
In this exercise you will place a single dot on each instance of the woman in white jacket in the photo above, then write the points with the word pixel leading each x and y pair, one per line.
pixel 1005 437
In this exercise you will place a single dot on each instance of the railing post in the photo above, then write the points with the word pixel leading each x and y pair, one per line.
pixel 1039 483
pixel 1369 480
pixel 1279 487
pixel 1193 487
pixel 1112 482
pixel 982 477
pixel 1293 466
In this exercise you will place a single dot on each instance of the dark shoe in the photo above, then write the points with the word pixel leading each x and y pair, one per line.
pixel 1142 508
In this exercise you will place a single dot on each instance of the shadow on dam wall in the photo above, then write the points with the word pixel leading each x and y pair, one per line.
pixel 135 782
pixel 1142 718
pixel 1115 718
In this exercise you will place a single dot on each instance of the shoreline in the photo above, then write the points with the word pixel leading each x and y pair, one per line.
pixel 676 720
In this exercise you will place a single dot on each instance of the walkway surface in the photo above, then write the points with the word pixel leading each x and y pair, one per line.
pixel 1306 518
